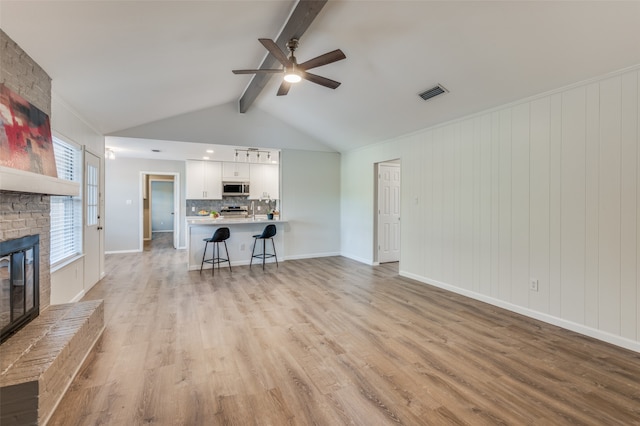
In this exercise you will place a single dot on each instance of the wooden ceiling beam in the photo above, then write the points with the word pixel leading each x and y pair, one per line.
pixel 301 18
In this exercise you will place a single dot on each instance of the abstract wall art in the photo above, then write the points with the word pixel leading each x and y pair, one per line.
pixel 25 135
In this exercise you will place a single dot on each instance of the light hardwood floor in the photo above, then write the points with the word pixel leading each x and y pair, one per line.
pixel 331 341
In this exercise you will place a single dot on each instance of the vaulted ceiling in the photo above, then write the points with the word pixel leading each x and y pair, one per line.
pixel 162 69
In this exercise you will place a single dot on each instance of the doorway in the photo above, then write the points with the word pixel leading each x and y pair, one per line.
pixel 388 211
pixel 159 206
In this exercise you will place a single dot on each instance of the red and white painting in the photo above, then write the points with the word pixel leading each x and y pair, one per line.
pixel 25 135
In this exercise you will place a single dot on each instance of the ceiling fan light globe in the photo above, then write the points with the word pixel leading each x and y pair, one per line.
pixel 292 78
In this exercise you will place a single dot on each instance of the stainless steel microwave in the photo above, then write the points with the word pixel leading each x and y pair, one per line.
pixel 235 188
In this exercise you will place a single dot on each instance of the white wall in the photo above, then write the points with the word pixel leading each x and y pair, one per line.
pixel 123 198
pixel 68 282
pixel 71 126
pixel 310 189
pixel 310 193
pixel 546 188
pixel 223 125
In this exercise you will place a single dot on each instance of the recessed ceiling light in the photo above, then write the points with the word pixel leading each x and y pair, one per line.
pixel 205 158
pixel 210 151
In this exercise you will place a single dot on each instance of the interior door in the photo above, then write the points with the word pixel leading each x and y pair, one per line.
pixel 93 233
pixel 388 212
pixel 162 206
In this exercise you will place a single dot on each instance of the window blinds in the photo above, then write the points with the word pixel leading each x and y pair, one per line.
pixel 66 212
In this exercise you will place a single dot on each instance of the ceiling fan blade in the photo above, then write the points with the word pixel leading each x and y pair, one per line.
pixel 273 48
pixel 265 71
pixel 327 58
pixel 284 88
pixel 322 81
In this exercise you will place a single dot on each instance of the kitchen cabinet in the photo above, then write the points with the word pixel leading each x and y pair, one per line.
pixel 235 172
pixel 265 181
pixel 203 180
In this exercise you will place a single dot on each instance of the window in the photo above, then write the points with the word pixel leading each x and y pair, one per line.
pixel 92 195
pixel 66 211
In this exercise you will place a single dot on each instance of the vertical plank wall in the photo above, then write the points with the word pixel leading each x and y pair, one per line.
pixel 545 189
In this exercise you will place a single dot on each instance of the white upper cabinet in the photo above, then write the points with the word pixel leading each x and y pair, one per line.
pixel 237 172
pixel 204 180
pixel 265 181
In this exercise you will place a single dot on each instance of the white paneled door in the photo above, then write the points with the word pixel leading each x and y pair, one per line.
pixel 388 212
pixel 92 222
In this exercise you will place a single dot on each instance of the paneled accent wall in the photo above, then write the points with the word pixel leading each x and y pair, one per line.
pixel 545 189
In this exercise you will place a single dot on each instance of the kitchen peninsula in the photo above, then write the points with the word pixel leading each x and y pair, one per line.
pixel 239 243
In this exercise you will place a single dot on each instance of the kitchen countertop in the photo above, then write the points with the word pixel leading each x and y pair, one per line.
pixel 206 220
pixel 240 243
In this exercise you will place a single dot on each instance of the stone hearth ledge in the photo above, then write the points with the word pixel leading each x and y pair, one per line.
pixel 39 362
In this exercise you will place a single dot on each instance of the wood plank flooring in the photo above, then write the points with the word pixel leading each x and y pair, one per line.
pixel 331 341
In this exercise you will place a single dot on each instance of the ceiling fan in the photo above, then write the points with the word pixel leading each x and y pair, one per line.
pixel 294 72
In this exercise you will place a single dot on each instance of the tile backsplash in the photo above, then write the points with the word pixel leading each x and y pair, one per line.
pixel 194 206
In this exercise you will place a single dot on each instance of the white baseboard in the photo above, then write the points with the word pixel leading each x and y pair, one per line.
pixel 78 297
pixel 358 259
pixel 311 255
pixel 549 319
pixel 122 251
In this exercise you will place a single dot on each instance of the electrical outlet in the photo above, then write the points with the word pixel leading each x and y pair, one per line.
pixel 193 209
pixel 533 284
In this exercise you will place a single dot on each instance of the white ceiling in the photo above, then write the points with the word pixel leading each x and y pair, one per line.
pixel 139 64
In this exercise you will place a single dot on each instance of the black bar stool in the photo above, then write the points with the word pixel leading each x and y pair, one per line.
pixel 220 236
pixel 268 234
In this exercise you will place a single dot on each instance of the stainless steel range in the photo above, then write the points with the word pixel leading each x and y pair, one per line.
pixel 235 211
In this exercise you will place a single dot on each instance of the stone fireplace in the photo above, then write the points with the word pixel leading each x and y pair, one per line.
pixel 23 215
pixel 19 278
pixel 38 361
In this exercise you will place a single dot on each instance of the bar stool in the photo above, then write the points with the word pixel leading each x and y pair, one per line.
pixel 220 236
pixel 268 234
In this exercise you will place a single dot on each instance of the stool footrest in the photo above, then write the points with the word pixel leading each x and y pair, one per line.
pixel 264 256
pixel 216 261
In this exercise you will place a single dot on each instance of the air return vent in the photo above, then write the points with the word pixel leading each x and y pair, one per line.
pixel 433 92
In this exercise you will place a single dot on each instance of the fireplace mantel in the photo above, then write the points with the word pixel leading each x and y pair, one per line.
pixel 21 181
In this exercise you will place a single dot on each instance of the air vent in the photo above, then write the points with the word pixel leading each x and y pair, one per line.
pixel 433 92
pixel 155 150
